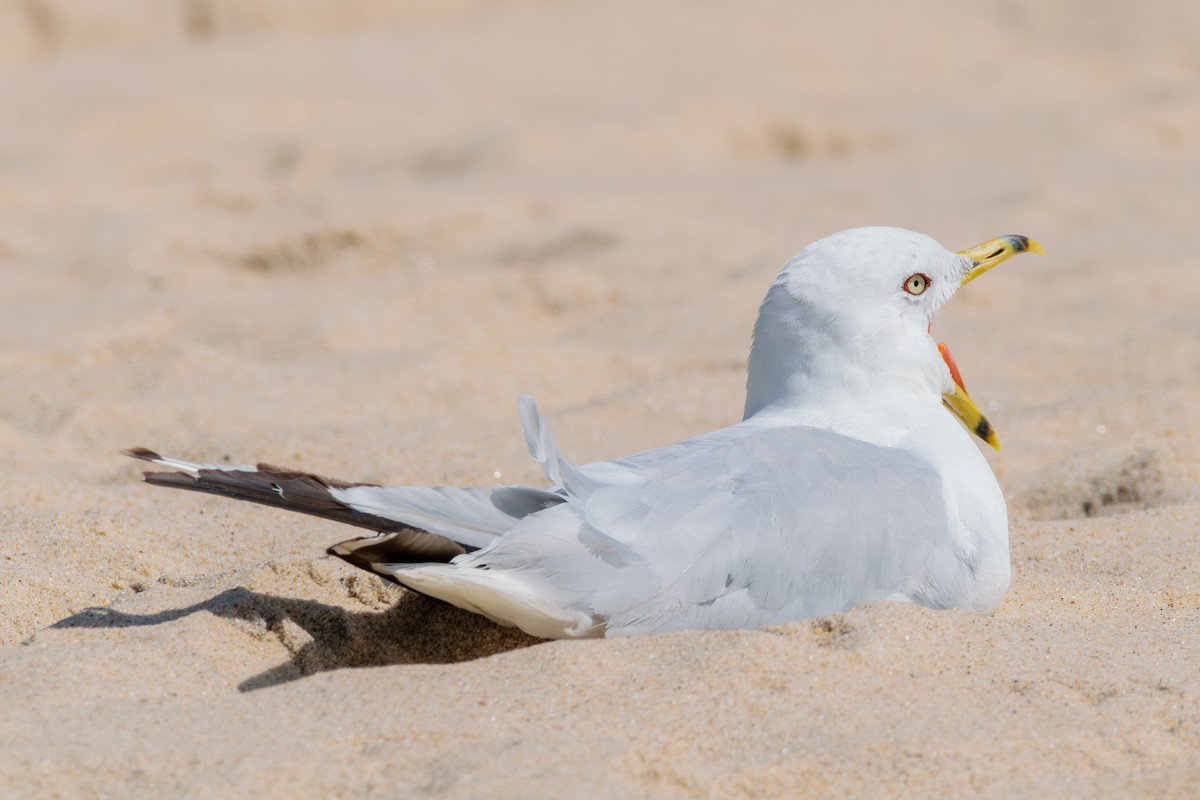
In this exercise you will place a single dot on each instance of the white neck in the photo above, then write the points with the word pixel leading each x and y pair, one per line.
pixel 805 368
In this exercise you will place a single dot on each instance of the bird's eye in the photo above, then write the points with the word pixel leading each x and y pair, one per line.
pixel 916 284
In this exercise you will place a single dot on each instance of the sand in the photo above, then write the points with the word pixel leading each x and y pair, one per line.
pixel 346 237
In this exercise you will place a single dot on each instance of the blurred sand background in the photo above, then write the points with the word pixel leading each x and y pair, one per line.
pixel 345 236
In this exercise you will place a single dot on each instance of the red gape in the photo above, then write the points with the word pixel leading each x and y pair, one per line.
pixel 949 359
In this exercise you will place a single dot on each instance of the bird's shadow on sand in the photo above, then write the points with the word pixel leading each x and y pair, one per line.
pixel 321 637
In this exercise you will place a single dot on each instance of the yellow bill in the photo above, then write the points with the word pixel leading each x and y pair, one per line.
pixel 994 251
pixel 985 256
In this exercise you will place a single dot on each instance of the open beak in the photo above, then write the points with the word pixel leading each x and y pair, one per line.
pixel 984 257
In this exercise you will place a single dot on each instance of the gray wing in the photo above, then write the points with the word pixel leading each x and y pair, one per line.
pixel 471 517
pixel 738 528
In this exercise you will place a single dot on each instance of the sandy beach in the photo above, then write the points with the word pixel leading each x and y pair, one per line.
pixel 345 237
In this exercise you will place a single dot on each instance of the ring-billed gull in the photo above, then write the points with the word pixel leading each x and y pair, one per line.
pixel 852 477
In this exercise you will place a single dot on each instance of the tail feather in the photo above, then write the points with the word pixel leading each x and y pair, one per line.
pixel 498 595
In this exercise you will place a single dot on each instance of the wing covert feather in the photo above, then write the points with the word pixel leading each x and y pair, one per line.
pixel 737 528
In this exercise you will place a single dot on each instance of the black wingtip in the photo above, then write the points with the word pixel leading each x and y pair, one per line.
pixel 177 480
pixel 405 545
pixel 144 453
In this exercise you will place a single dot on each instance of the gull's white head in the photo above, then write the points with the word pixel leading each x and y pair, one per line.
pixel 847 320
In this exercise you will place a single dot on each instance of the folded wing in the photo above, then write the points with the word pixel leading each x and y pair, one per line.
pixel 737 528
